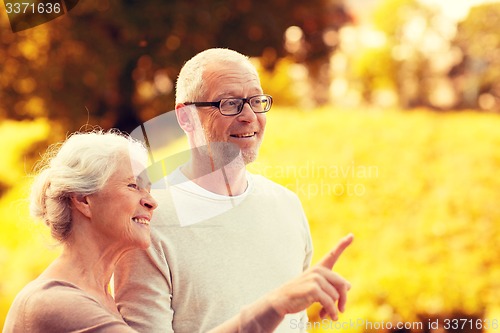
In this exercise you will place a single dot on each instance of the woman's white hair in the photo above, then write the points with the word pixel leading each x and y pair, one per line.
pixel 190 86
pixel 81 165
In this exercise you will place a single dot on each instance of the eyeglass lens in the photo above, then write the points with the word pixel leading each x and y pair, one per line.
pixel 259 103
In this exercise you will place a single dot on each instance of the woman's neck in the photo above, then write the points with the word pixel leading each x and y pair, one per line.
pixel 88 266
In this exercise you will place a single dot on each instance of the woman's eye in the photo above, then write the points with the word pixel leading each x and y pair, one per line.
pixel 134 186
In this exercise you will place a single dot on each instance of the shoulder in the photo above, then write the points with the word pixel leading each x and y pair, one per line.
pixel 263 185
pixel 39 293
pixel 35 304
pixel 49 305
pixel 278 198
pixel 39 298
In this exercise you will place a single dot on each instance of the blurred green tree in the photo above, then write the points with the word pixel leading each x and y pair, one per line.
pixel 477 76
pixel 115 62
pixel 409 54
pixel 406 28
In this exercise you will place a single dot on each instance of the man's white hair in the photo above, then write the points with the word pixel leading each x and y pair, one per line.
pixel 190 85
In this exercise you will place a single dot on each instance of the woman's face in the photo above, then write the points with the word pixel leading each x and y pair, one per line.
pixel 121 211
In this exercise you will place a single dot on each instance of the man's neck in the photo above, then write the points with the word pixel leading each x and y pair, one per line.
pixel 230 180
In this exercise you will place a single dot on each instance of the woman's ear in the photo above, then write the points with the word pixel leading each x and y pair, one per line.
pixel 80 202
pixel 184 117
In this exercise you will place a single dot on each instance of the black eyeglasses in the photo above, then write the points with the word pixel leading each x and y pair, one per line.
pixel 234 106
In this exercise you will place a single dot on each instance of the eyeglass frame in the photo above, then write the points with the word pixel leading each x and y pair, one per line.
pixel 245 100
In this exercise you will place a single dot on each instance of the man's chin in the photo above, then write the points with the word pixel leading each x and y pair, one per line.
pixel 248 156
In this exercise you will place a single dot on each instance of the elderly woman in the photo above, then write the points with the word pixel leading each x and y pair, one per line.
pixel 95 198
pixel 97 208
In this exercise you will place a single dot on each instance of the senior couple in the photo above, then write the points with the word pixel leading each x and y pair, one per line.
pixel 241 266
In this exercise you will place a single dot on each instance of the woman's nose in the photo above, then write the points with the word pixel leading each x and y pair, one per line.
pixel 149 202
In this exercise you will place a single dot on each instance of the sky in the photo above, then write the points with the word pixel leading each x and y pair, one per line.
pixel 454 9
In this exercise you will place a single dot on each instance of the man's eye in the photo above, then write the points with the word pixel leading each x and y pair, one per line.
pixel 230 102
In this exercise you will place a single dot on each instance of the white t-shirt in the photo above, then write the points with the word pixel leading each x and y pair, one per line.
pixel 187 194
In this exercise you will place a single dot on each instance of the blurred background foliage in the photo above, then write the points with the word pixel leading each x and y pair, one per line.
pixel 418 192
pixel 385 124
pixel 116 61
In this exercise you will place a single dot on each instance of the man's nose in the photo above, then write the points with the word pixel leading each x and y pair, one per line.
pixel 247 113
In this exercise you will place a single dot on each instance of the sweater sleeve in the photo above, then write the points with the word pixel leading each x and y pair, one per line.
pixel 143 294
pixel 309 245
pixel 259 317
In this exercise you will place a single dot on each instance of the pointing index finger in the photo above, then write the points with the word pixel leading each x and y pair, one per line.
pixel 331 258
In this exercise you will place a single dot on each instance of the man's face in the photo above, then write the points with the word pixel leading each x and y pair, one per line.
pixel 245 130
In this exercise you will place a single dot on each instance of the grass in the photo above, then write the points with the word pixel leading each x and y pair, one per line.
pixel 418 189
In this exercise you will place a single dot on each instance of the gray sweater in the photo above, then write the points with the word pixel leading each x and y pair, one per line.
pixel 47 305
pixel 197 275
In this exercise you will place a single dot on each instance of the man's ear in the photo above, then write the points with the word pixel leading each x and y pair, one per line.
pixel 184 117
pixel 80 202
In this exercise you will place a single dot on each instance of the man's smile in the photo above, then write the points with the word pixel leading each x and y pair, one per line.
pixel 244 135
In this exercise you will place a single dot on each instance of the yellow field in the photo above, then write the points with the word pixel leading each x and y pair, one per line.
pixel 418 189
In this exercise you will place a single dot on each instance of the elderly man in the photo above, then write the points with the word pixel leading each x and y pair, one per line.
pixel 221 236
